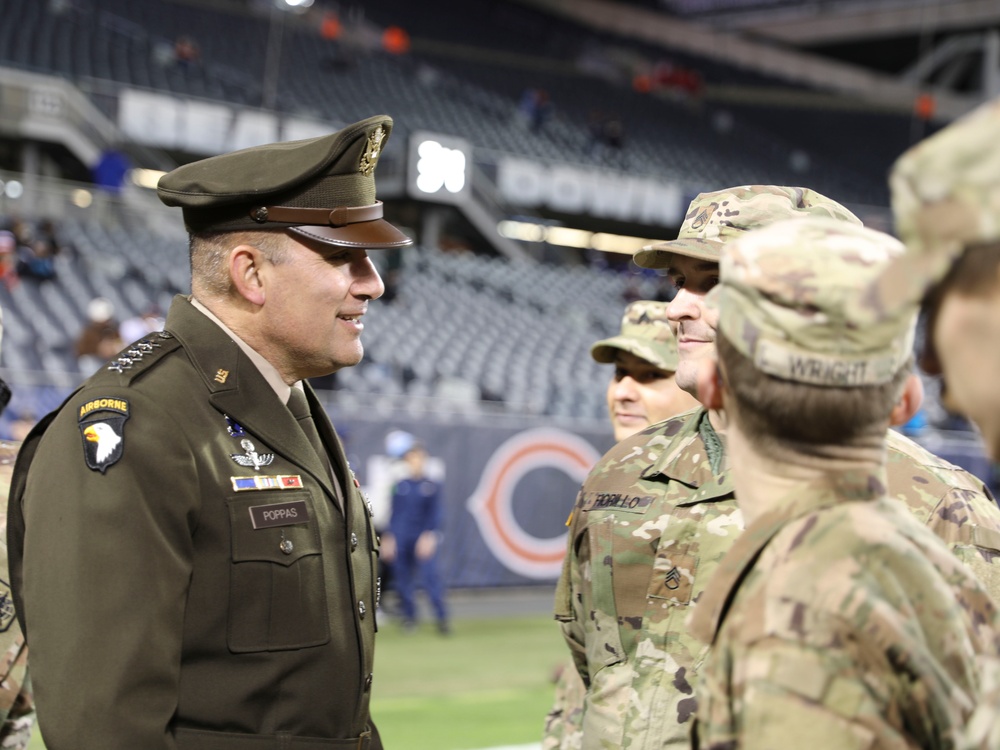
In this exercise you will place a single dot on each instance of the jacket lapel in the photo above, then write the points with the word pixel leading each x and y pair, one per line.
pixel 239 391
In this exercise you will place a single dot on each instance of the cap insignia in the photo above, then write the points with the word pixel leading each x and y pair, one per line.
pixel 372 150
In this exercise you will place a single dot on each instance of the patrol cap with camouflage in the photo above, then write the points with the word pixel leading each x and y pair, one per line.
pixel 945 197
pixel 790 300
pixel 321 188
pixel 713 219
pixel 645 333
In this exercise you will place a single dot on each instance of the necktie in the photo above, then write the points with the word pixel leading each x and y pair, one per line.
pixel 298 405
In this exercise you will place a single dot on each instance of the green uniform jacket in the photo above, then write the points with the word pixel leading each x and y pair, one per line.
pixel 194 584
pixel 652 523
pixel 837 621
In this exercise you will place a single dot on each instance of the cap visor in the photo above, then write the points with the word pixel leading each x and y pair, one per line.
pixel 659 255
pixel 606 352
pixel 368 234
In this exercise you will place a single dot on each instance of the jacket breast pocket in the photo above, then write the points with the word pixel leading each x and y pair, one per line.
pixel 277 591
pixel 674 571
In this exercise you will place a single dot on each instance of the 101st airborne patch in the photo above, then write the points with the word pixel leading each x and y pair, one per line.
pixel 102 425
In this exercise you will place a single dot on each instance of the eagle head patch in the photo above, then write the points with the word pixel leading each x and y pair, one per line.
pixel 102 426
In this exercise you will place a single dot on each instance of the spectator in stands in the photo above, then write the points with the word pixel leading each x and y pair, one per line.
pixel 535 108
pixel 187 54
pixel 36 261
pixel 606 134
pixel 411 546
pixel 100 339
pixel 8 258
pixel 150 320
pixel 642 391
pixel 215 553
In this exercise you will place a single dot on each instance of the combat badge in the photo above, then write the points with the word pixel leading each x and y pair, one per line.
pixel 102 425
pixel 251 457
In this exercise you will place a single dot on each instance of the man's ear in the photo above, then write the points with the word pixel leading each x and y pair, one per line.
pixel 710 385
pixel 245 265
pixel 909 402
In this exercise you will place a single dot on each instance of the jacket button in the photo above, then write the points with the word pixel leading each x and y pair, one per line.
pixel 286 546
pixel 368 682
pixel 354 541
pixel 362 609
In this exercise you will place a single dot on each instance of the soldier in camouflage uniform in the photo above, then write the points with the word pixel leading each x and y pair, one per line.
pixel 17 704
pixel 642 391
pixel 836 617
pixel 946 201
pixel 657 514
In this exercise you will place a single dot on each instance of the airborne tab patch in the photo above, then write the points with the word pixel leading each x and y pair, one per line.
pixel 102 426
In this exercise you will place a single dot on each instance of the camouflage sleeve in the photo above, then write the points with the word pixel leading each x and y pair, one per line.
pixel 566 605
pixel 983 730
pixel 17 703
pixel 563 724
pixel 783 690
pixel 969 523
pixel 15 733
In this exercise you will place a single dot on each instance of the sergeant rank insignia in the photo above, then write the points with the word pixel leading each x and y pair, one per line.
pixel 251 457
pixel 102 425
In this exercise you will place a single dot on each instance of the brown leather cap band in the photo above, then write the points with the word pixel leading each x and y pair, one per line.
pixel 336 217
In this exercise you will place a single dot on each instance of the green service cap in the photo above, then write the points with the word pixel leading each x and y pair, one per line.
pixel 645 333
pixel 945 197
pixel 790 299
pixel 321 188
pixel 713 219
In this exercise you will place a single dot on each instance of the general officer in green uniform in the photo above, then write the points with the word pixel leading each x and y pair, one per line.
pixel 194 561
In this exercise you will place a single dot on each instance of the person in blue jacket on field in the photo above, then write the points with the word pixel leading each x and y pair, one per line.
pixel 411 545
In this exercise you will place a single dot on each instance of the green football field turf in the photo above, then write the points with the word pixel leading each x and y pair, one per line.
pixel 487 684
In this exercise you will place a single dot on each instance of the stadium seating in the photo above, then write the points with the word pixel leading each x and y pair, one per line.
pixel 440 87
pixel 460 329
